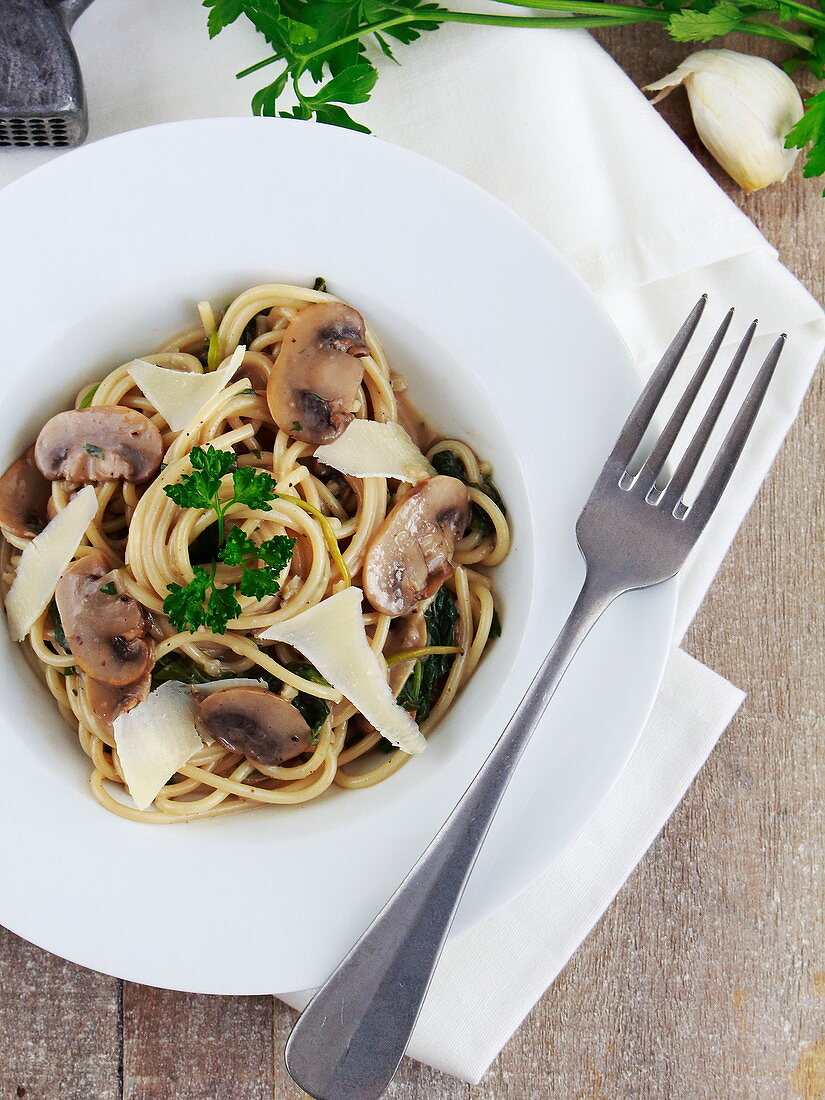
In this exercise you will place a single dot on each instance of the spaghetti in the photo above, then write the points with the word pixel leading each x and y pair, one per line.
pixel 334 519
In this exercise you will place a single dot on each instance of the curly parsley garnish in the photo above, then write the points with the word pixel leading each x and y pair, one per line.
pixel 202 602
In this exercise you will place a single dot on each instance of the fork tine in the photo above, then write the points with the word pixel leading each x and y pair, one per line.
pixel 637 423
pixel 646 478
pixel 672 494
pixel 725 461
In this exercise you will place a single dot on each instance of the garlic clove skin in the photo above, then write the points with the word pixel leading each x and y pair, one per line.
pixel 743 107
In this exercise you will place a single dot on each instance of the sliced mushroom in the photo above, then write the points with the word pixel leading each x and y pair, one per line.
pixel 110 700
pixel 254 372
pixel 406 632
pixel 410 555
pixel 104 443
pixel 253 721
pixel 24 498
pixel 106 631
pixel 315 379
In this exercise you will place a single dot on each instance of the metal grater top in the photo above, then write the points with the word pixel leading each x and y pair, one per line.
pixel 41 90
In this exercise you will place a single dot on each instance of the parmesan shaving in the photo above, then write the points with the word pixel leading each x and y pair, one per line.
pixel 44 559
pixel 370 449
pixel 331 636
pixel 180 395
pixel 156 738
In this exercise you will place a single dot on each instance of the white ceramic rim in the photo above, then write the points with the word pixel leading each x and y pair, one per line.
pixel 468 297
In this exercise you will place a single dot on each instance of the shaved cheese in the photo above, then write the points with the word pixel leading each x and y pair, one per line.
pixel 331 635
pixel 180 395
pixel 156 738
pixel 370 449
pixel 44 559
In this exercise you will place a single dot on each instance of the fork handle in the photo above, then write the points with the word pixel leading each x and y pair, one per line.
pixel 351 1037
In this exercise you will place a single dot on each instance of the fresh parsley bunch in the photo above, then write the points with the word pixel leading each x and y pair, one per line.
pixel 321 45
pixel 201 602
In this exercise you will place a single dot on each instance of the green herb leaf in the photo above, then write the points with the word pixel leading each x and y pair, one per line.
pixel 254 488
pixel 200 488
pixel 320 284
pixel 811 128
pixel 238 547
pixel 296 426
pixel 222 607
pixel 689 25
pixel 94 450
pixel 88 395
pixel 263 102
pixel 277 551
pixel 353 85
pixel 109 589
pixel 259 583
pixel 201 602
pixel 184 605
pixel 333 115
pixel 222 14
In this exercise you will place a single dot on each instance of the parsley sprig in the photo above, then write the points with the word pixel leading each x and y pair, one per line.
pixel 811 128
pixel 202 602
pixel 322 44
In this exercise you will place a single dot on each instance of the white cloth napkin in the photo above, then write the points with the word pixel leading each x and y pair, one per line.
pixel 548 123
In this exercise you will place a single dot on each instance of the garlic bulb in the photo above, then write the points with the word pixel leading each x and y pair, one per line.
pixel 742 107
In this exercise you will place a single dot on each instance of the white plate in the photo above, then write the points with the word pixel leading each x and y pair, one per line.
pixel 105 251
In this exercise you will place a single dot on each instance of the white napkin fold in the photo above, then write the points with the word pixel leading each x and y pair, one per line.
pixel 547 122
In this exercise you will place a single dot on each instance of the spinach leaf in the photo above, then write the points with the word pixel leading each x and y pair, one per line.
pixel 251 328
pixel 495 625
pixel 447 462
pixel 177 666
pixel 421 689
pixel 315 711
pixel 59 634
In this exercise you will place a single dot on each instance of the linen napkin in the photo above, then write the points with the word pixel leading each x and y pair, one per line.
pixel 548 123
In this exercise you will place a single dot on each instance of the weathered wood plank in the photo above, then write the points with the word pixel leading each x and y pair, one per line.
pixel 190 1047
pixel 59 1028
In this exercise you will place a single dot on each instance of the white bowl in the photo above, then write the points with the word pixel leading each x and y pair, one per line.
pixel 503 346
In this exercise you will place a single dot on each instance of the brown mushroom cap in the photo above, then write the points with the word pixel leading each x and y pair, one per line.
pixel 406 632
pixel 255 373
pixel 104 443
pixel 253 721
pixel 315 379
pixel 110 700
pixel 24 498
pixel 106 633
pixel 410 555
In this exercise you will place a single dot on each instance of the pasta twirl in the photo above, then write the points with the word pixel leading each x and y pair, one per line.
pixel 440 598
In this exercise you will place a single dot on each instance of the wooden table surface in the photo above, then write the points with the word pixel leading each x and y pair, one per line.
pixel 705 979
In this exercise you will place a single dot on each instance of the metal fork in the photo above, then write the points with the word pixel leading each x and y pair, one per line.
pixel 350 1039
